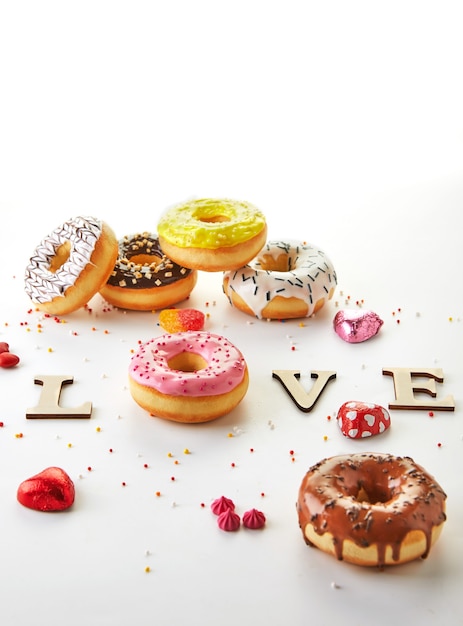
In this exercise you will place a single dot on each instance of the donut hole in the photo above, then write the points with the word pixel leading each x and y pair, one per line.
pixel 146 259
pixel 62 254
pixel 213 219
pixel 282 263
pixel 187 362
pixel 373 494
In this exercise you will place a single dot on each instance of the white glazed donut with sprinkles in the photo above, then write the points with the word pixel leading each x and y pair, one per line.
pixel 287 279
pixel 191 376
pixel 70 265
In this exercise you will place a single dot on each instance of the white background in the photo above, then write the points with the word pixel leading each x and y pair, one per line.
pixel 342 122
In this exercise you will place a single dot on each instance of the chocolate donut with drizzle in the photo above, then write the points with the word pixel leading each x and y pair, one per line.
pixel 144 278
pixel 371 509
pixel 287 279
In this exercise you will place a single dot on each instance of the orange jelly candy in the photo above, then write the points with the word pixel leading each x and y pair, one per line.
pixel 181 320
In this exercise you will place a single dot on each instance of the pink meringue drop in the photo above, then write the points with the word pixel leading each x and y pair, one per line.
pixel 229 520
pixel 222 504
pixel 254 519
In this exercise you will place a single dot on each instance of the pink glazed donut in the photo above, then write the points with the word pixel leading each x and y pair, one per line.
pixel 188 377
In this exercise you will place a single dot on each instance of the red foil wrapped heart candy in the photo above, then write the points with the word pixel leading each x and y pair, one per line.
pixel 49 490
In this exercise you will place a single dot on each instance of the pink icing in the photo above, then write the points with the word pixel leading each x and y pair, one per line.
pixel 225 365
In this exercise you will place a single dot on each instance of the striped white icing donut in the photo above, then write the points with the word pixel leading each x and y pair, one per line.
pixel 69 265
pixel 287 279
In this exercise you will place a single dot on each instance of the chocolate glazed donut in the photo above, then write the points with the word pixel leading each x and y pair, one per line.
pixel 144 278
pixel 371 509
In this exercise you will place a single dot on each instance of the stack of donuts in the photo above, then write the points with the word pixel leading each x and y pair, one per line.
pixel 271 280
pixel 191 376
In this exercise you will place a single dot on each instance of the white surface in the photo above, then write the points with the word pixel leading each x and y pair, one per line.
pixel 342 122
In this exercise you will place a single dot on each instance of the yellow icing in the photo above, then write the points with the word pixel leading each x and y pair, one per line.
pixel 211 223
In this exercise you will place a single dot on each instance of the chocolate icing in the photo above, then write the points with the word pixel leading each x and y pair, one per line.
pixel 370 499
pixel 133 274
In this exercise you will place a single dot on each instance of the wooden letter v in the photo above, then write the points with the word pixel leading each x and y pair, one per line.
pixel 290 381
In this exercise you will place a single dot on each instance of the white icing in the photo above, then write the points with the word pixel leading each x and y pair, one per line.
pixel 43 285
pixel 310 276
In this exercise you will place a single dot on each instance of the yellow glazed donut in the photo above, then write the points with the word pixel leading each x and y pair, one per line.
pixel 144 279
pixel 371 509
pixel 70 265
pixel 287 279
pixel 191 376
pixel 212 234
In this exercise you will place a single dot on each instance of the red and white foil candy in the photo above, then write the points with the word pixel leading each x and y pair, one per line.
pixel 357 326
pixel 362 419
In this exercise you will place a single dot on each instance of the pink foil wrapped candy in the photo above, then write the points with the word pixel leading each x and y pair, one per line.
pixel 356 326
